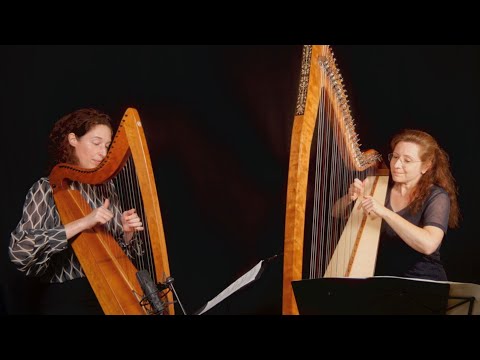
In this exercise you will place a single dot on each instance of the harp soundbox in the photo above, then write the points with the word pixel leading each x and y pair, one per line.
pixel 333 245
pixel 126 177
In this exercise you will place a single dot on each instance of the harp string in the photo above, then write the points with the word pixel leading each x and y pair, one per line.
pixel 335 170
pixel 140 248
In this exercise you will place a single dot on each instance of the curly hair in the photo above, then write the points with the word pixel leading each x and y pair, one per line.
pixel 438 174
pixel 78 122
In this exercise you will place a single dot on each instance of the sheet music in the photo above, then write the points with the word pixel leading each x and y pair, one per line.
pixel 242 281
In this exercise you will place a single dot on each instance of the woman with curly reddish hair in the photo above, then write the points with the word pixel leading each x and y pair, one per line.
pixel 421 204
pixel 40 244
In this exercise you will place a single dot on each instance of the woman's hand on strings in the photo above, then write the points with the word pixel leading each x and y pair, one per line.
pixel 131 221
pixel 356 189
pixel 100 215
pixel 371 207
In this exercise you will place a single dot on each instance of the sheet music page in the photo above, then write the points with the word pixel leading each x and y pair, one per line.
pixel 243 280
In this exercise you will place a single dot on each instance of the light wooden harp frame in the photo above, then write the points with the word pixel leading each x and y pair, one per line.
pixel 108 269
pixel 320 80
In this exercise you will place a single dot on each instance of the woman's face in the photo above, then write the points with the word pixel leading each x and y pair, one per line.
pixel 405 164
pixel 92 147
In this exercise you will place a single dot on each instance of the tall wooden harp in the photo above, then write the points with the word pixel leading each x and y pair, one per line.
pixel 336 245
pixel 126 177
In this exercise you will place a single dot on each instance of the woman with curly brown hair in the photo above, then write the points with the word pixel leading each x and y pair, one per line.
pixel 421 204
pixel 40 244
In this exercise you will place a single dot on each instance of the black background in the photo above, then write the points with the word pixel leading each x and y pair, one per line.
pixel 218 121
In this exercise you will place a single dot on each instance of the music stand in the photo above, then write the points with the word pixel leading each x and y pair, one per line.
pixel 370 296
pixel 464 299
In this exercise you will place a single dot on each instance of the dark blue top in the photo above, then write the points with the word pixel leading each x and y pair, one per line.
pixel 396 258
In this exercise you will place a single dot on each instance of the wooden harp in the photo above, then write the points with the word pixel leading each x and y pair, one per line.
pixel 110 269
pixel 319 175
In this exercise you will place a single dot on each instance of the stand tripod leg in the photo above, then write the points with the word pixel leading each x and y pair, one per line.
pixel 169 283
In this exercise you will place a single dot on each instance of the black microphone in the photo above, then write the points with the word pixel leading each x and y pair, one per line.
pixel 150 292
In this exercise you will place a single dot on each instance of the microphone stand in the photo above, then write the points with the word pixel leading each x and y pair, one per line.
pixel 169 284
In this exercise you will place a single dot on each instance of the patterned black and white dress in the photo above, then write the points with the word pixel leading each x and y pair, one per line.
pixel 39 246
